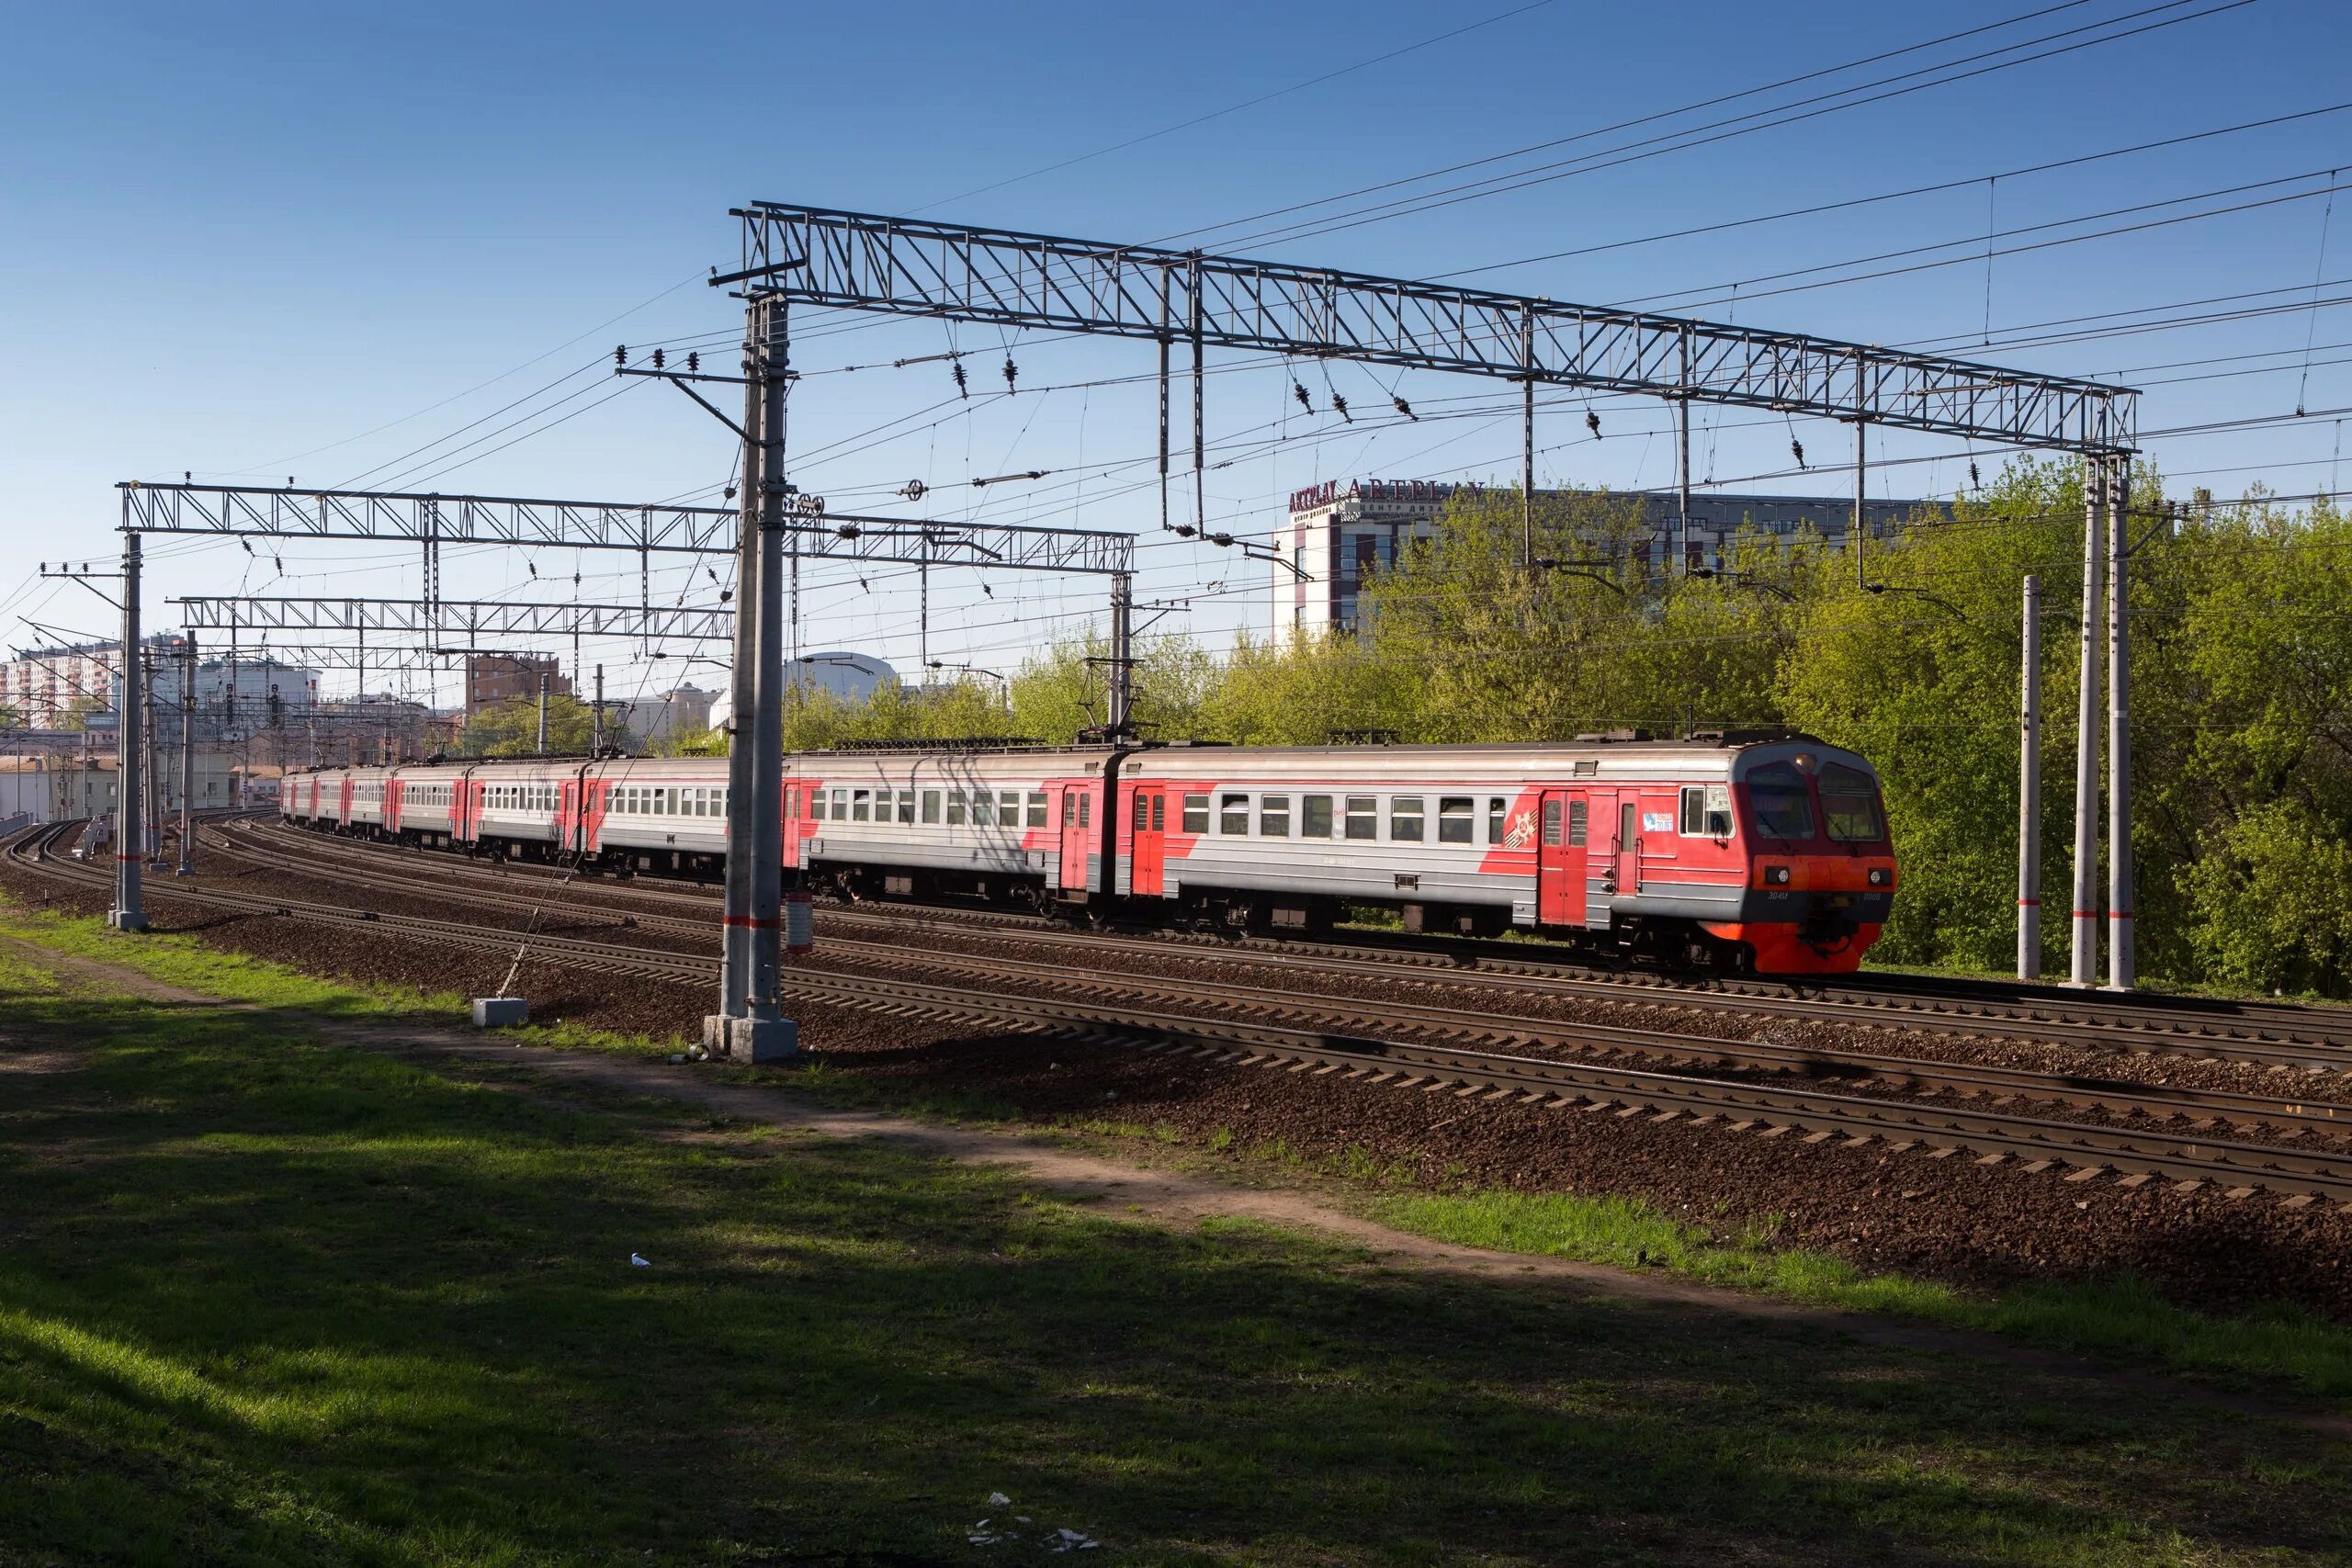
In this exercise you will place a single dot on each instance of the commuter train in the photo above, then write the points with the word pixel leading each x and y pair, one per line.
pixel 1758 854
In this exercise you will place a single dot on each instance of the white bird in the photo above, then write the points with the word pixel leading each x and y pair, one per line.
pixel 637 1262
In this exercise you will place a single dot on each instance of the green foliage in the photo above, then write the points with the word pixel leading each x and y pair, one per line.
pixel 76 713
pixel 512 730
pixel 2242 694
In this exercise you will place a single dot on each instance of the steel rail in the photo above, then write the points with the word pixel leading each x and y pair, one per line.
pixel 2122 1097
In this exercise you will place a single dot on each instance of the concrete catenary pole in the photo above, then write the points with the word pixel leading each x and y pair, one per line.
pixel 543 713
pixel 2030 789
pixel 148 771
pixel 2120 972
pixel 1861 476
pixel 1682 465
pixel 1122 663
pixel 751 1026
pixel 2083 969
pixel 596 719
pixel 186 866
pixel 128 914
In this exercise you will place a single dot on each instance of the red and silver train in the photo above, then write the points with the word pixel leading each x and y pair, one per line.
pixel 1762 855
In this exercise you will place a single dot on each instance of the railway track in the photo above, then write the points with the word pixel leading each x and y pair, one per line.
pixel 1990 1134
pixel 2287 1040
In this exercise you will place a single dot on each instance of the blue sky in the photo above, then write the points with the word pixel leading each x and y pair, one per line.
pixel 253 241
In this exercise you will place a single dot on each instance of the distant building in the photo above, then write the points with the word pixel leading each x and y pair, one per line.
pixel 682 710
pixel 852 677
pixel 494 678
pixel 1344 530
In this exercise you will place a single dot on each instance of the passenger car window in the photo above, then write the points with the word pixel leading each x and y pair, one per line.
pixel 1363 817
pixel 1143 811
pixel 1496 808
pixel 1706 811
pixel 1008 809
pixel 1085 810
pixel 1273 816
pixel 1783 803
pixel 1233 815
pixel 1037 808
pixel 1405 817
pixel 1159 813
pixel 1315 816
pixel 1849 805
pixel 1070 809
pixel 1577 815
pixel 1456 818
pixel 1551 824
pixel 1196 814
pixel 931 806
pixel 906 805
pixel 861 805
pixel 955 808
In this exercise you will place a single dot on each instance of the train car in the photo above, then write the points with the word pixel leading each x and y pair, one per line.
pixel 1761 853
pixel 1770 856
pixel 1020 826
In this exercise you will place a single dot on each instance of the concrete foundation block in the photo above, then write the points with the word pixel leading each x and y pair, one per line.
pixel 497 1012
pixel 751 1039
pixel 127 919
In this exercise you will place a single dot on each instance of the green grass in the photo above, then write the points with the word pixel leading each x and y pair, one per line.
pixel 264 1299
pixel 2118 1316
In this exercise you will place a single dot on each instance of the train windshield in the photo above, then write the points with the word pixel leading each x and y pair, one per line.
pixel 1782 803
pixel 1850 802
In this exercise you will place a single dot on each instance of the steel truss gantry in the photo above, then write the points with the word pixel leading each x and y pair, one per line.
pixel 462 619
pixel 433 520
pixel 911 267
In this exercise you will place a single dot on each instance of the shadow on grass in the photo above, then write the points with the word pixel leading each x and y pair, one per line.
pixel 265 1300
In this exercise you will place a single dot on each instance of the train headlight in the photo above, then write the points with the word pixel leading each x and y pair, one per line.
pixel 1776 877
pixel 1881 876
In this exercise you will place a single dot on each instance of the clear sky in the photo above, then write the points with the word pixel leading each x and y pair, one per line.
pixel 256 241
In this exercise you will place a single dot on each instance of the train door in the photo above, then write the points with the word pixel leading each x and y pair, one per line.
pixel 1078 832
pixel 342 803
pixel 1149 855
pixel 1559 859
pixel 1628 866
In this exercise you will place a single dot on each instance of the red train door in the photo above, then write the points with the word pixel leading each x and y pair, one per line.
pixel 1077 829
pixel 1150 839
pixel 1629 844
pixel 1559 859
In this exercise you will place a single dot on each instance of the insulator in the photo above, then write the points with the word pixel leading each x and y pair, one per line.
pixel 1592 423
pixel 1798 447
pixel 620 354
pixel 1405 409
pixel 1975 480
pixel 1298 391
pixel 1011 374
pixel 657 359
pixel 1340 406
pixel 963 388
pixel 988 590
pixel 694 362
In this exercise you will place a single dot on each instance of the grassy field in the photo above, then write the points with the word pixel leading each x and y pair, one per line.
pixel 264 1299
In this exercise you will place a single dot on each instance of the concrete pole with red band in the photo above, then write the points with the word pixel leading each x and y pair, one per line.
pixel 2084 970
pixel 2030 789
pixel 2121 973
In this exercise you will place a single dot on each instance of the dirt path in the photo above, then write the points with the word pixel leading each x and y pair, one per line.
pixel 1176 1198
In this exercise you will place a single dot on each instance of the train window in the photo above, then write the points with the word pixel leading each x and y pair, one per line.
pixel 1085 810
pixel 1706 811
pixel 1008 809
pixel 840 805
pixel 1849 805
pixel 1782 805
pixel 861 805
pixel 1496 808
pixel 791 802
pixel 1363 817
pixel 1405 817
pixel 1577 823
pixel 955 808
pixel 1273 816
pixel 1037 808
pixel 1196 814
pixel 1159 813
pixel 1233 815
pixel 1315 816
pixel 882 799
pixel 906 805
pixel 1143 811
pixel 817 804
pixel 1551 824
pixel 931 806
pixel 1456 817
pixel 1069 808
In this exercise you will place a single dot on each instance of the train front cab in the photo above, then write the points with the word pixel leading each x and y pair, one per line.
pixel 1821 873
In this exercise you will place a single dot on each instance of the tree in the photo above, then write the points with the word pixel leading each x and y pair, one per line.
pixel 511 728
pixel 76 713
